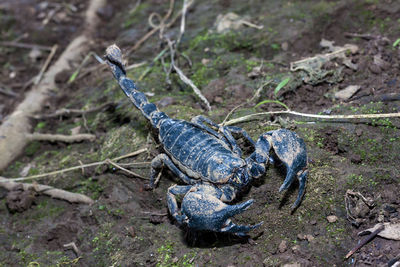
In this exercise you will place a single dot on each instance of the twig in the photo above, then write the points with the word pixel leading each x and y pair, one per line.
pixel 74 248
pixel 161 26
pixel 9 184
pixel 137 152
pixel 185 79
pixel 155 29
pixel 365 241
pixel 154 213
pixel 72 112
pixel 252 25
pixel 125 170
pixel 25 45
pixel 326 117
pixel 76 167
pixel 147 70
pixel 60 137
pixel 182 29
pixel 360 35
pixel 8 92
pixel 256 95
pixel 46 64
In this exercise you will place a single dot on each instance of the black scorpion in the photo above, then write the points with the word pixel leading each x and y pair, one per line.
pixel 209 161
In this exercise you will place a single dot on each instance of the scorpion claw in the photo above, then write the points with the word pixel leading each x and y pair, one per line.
pixel 290 149
pixel 205 212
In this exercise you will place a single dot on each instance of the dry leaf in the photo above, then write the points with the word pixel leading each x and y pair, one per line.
pixel 391 231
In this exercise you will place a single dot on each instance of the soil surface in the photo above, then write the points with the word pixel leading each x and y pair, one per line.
pixel 129 226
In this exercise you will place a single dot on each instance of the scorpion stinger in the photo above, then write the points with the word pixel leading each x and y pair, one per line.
pixel 208 160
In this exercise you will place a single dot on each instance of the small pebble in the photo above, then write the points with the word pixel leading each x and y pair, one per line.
pixel 332 218
pixel 282 246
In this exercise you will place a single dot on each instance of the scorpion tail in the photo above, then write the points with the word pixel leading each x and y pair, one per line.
pixel 114 60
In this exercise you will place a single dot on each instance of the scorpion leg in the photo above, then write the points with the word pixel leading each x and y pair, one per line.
pixel 238 130
pixel 291 151
pixel 156 166
pixel 173 191
pixel 200 120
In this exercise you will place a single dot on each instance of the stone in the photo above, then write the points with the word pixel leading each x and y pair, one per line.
pixel 348 92
pixel 283 246
pixel 332 218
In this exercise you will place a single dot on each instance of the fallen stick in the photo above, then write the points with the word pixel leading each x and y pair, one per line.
pixel 71 112
pixel 48 190
pixel 8 92
pixel 325 117
pixel 38 176
pixel 14 129
pixel 24 45
pixel 365 241
pixel 60 137
pixel 46 64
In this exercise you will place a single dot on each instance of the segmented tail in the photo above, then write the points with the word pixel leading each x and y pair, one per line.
pixel 114 60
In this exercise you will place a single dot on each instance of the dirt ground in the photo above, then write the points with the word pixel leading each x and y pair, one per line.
pixel 129 226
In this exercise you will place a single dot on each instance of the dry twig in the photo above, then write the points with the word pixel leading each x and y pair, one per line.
pixel 324 117
pixel 38 176
pixel 9 184
pixel 25 45
pixel 365 241
pixel 73 246
pixel 46 64
pixel 60 137
pixel 72 112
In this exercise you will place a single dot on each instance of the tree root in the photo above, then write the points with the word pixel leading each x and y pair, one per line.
pixel 14 130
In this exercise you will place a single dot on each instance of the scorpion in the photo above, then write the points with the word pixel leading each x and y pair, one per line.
pixel 210 161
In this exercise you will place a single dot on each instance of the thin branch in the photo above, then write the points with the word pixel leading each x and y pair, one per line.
pixel 25 45
pixel 46 64
pixel 60 137
pixel 9 184
pixel 72 112
pixel 125 170
pixel 73 246
pixel 159 27
pixel 365 241
pixel 75 167
pixel 8 92
pixel 325 117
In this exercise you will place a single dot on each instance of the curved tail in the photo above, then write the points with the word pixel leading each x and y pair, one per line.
pixel 114 60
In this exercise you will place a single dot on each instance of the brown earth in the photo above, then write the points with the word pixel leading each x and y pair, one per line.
pixel 129 226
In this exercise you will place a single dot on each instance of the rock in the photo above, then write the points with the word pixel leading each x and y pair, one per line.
pixel 285 46
pixel 301 236
pixel 313 222
pixel 205 61
pixel 105 13
pixel 375 69
pixel 282 246
pixel 166 101
pixel 19 200
pixel 293 264
pixel 356 159
pixel 296 249
pixel 348 92
pixel 229 21
pixel 35 55
pixel 310 238
pixel 332 218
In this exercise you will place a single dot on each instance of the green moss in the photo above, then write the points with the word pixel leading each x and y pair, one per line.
pixel 32 148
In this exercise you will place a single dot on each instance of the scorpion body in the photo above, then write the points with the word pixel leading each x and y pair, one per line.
pixel 209 161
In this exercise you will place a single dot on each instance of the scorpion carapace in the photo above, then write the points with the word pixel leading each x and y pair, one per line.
pixel 206 157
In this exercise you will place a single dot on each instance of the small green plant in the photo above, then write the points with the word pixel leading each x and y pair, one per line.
pixel 272 101
pixel 396 43
pixel 282 84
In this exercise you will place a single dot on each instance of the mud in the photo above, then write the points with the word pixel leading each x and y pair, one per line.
pixel 129 226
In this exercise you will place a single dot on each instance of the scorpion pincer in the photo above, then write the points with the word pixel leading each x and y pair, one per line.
pixel 206 157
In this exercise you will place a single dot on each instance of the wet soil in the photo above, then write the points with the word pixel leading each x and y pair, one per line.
pixel 129 226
